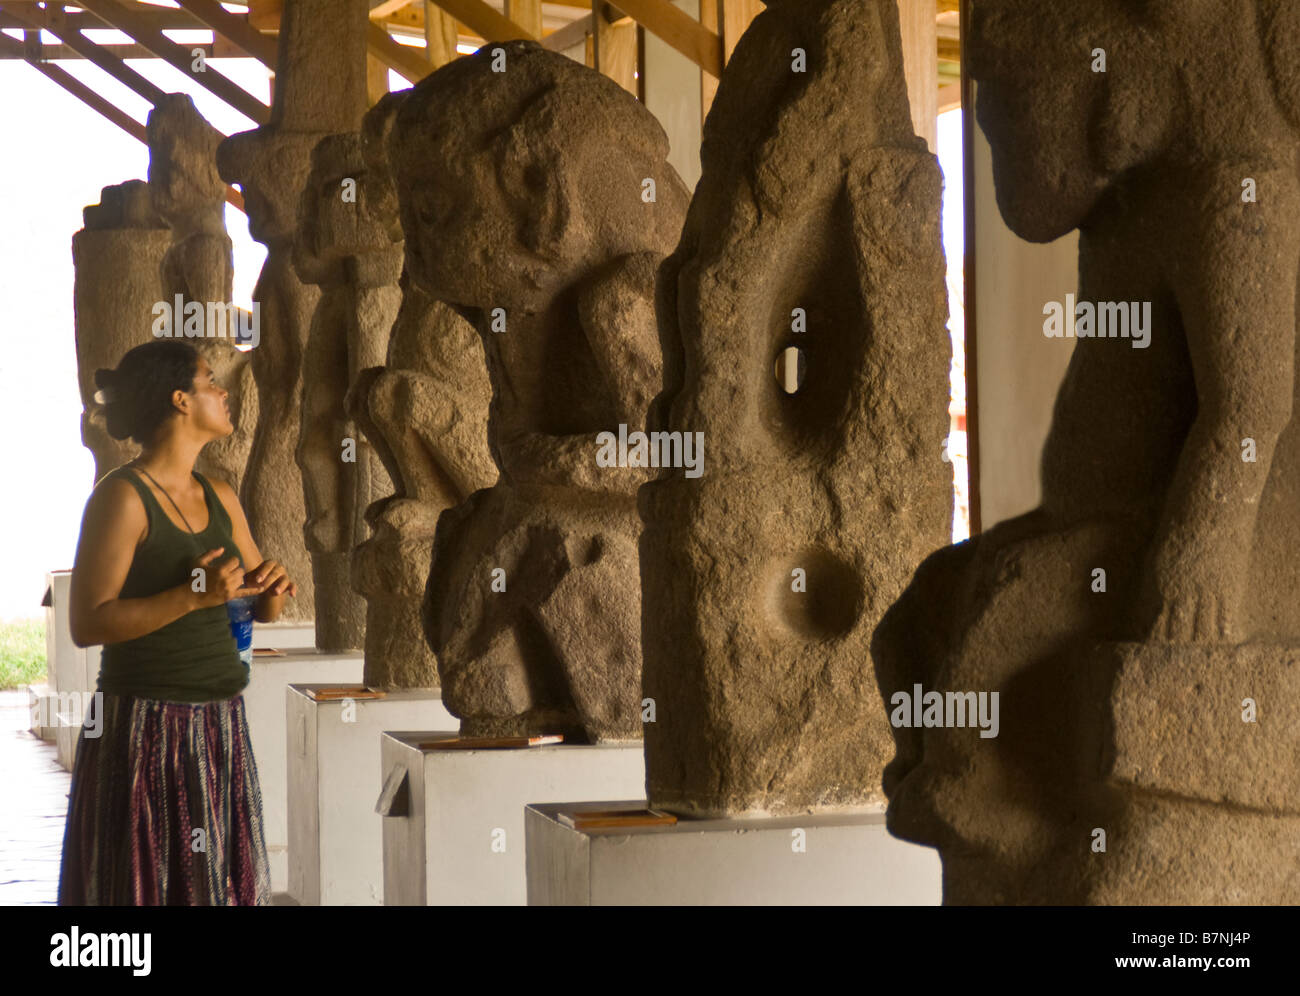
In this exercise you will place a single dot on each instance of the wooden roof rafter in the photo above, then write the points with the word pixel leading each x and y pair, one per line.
pixel 235 29
pixel 140 30
pixel 484 20
pixel 31 52
pixel 38 19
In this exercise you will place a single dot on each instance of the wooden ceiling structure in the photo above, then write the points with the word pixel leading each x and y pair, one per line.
pixel 414 37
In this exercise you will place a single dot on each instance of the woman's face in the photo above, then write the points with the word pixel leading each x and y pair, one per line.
pixel 209 409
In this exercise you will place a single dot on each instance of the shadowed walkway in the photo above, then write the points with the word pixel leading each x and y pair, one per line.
pixel 33 807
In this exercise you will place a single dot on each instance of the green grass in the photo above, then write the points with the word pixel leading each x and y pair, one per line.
pixel 22 653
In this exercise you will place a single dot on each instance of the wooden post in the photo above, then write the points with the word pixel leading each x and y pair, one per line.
pixel 376 79
pixel 440 34
pixel 916 19
pixel 711 18
pixel 614 47
pixel 730 19
pixel 527 14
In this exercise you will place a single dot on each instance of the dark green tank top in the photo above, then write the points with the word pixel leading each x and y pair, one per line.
pixel 194 658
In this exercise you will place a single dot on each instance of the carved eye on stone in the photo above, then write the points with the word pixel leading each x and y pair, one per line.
pixel 791 368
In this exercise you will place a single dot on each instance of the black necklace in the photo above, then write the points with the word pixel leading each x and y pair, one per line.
pixel 168 497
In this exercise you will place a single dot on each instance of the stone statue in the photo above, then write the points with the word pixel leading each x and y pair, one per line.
pixel 425 414
pixel 320 89
pixel 1133 623
pixel 116 257
pixel 189 194
pixel 812 244
pixel 536 197
pixel 343 247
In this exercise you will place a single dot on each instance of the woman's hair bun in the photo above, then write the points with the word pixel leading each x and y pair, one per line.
pixel 136 397
pixel 110 396
pixel 105 380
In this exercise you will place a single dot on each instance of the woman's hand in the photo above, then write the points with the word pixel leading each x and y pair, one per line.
pixel 223 581
pixel 271 577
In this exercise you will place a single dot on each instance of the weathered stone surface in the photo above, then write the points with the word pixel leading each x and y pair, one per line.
pixel 116 257
pixel 1171 468
pixel 815 226
pixel 342 247
pixel 425 414
pixel 189 194
pixel 320 89
pixel 522 191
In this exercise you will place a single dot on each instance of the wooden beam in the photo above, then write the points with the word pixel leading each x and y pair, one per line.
pixel 737 16
pixel 921 66
pixel 264 15
pixel 527 14
pixel 11 49
pixel 679 30
pixel 53 21
pixel 487 22
pixel 731 19
pixel 573 33
pixel 440 35
pixel 163 18
pixel 949 97
pixel 381 10
pixel 410 62
pixel 235 29
pixel 66 53
pixel 178 56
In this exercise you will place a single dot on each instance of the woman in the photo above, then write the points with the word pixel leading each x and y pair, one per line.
pixel 165 805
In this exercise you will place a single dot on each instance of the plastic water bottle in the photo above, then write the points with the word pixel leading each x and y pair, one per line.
pixel 240 611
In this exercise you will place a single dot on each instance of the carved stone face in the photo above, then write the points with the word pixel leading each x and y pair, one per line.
pixel 270 168
pixel 1037 101
pixel 183 174
pixel 336 219
pixel 514 184
pixel 461 243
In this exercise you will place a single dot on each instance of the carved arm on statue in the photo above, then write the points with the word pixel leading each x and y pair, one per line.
pixel 1238 302
pixel 568 461
pixel 617 311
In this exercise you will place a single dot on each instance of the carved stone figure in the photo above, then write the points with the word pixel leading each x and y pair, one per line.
pixel 320 89
pixel 1141 625
pixel 425 414
pixel 343 247
pixel 536 196
pixel 116 257
pixel 189 194
pixel 815 228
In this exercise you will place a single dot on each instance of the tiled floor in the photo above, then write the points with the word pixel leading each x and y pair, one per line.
pixel 33 807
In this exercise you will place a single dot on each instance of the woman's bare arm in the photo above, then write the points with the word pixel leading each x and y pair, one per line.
pixel 112 527
pixel 269 576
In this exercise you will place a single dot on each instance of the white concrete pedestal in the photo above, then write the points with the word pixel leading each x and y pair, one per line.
pixel 454 824
pixel 265 704
pixel 72 673
pixel 291 637
pixel 793 861
pixel 335 834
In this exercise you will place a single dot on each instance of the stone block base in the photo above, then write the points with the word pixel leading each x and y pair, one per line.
pixel 788 861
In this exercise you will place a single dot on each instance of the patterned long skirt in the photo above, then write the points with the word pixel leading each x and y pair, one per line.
pixel 165 809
